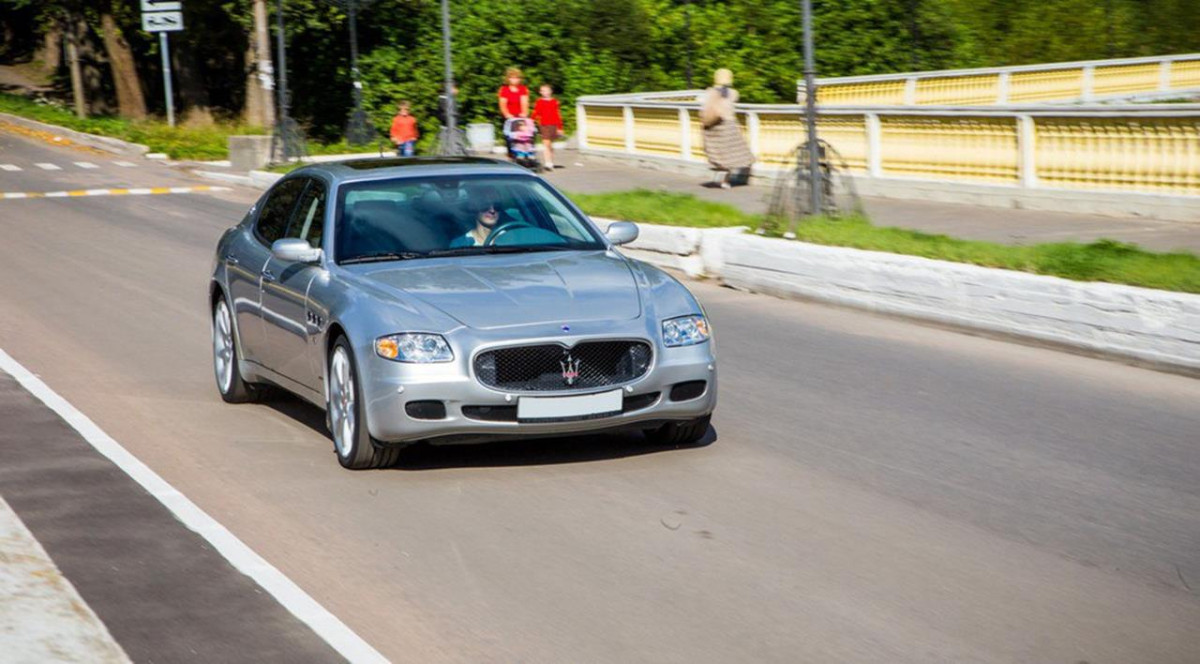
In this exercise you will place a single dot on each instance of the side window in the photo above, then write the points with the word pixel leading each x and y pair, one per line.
pixel 309 223
pixel 273 220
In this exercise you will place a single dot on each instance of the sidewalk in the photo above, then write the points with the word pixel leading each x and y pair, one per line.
pixel 589 174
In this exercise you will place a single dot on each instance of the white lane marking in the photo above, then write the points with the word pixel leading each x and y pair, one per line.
pixel 86 164
pixel 44 617
pixel 243 558
pixel 9 167
pixel 49 167
pixel 125 164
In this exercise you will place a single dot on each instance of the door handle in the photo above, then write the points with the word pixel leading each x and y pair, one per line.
pixel 268 275
pixel 231 259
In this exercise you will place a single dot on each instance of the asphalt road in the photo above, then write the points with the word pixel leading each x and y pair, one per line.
pixel 877 491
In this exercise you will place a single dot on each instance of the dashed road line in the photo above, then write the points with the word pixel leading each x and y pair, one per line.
pixel 86 164
pixel 10 167
pixel 49 167
pixel 138 191
pixel 125 164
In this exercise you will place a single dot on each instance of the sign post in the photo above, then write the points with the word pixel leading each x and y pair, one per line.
pixel 163 16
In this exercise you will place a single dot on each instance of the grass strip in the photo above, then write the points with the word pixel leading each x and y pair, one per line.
pixel 194 143
pixel 1103 260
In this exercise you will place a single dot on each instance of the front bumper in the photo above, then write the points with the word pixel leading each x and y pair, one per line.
pixel 389 386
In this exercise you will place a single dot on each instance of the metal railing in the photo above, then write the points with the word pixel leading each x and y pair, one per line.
pixel 1150 149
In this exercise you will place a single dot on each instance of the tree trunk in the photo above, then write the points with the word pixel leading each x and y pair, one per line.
pixel 197 111
pixel 260 79
pixel 77 92
pixel 50 54
pixel 131 103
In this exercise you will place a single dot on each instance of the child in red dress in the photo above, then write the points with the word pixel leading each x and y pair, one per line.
pixel 549 119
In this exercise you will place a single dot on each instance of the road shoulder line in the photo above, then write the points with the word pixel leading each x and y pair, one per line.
pixel 290 596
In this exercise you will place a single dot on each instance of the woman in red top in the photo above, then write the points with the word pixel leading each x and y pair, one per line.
pixel 514 97
pixel 550 124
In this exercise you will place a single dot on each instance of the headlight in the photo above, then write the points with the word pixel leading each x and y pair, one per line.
pixel 414 347
pixel 685 331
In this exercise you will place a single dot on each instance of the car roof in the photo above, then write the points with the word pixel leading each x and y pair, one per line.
pixel 386 168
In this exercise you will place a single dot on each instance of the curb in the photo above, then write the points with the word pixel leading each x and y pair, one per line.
pixel 106 143
pixel 1155 327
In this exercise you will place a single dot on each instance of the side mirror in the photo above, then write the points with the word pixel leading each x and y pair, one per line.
pixel 295 250
pixel 622 232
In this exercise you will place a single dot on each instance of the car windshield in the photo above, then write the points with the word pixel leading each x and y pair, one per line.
pixel 407 218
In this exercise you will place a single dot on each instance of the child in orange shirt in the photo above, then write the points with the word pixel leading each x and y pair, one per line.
pixel 404 131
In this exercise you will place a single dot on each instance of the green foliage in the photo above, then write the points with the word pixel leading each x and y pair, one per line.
pixel 603 46
pixel 1103 260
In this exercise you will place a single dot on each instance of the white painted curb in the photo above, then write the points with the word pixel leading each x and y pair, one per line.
pixel 1161 327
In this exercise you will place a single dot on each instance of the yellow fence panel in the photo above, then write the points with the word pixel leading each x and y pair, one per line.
pixel 605 127
pixel 1153 155
pixel 958 90
pixel 656 131
pixel 1185 74
pixel 881 93
pixel 697 130
pixel 960 148
pixel 1125 79
pixel 1045 85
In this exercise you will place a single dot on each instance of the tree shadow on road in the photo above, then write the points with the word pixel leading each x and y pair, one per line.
pixel 515 452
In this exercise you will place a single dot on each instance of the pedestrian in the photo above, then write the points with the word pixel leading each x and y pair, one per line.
pixel 549 121
pixel 513 95
pixel 724 145
pixel 404 131
pixel 514 101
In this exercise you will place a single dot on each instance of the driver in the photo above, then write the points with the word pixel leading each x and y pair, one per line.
pixel 482 202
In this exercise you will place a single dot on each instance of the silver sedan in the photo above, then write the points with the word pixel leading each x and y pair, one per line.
pixel 453 301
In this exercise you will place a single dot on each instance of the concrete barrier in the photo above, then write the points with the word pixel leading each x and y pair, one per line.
pixel 1158 327
pixel 248 153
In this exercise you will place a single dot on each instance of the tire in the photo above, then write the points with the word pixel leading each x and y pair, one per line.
pixel 352 442
pixel 231 385
pixel 679 434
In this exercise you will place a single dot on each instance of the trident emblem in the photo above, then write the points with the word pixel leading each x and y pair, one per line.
pixel 570 369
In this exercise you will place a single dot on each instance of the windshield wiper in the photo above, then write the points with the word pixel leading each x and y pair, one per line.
pixel 519 249
pixel 382 256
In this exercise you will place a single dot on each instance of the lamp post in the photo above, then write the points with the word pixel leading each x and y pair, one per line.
pixel 451 144
pixel 810 113
pixel 687 33
pixel 358 131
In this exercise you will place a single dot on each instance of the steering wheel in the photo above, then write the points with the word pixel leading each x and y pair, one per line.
pixel 504 228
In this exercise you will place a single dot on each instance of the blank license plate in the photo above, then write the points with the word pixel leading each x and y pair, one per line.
pixel 533 408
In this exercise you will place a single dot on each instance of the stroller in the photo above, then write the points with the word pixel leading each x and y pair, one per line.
pixel 521 136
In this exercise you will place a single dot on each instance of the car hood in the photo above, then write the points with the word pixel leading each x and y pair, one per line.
pixel 487 292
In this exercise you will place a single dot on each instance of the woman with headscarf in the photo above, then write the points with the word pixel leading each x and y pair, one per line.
pixel 724 145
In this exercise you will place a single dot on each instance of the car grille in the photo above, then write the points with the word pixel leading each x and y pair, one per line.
pixel 553 367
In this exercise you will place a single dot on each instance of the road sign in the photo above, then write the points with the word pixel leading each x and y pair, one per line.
pixel 162 21
pixel 161 6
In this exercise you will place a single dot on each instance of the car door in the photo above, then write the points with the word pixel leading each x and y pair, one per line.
pixel 287 330
pixel 245 265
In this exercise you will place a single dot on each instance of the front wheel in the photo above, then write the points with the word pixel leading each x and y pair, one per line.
pixel 678 434
pixel 233 388
pixel 347 421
